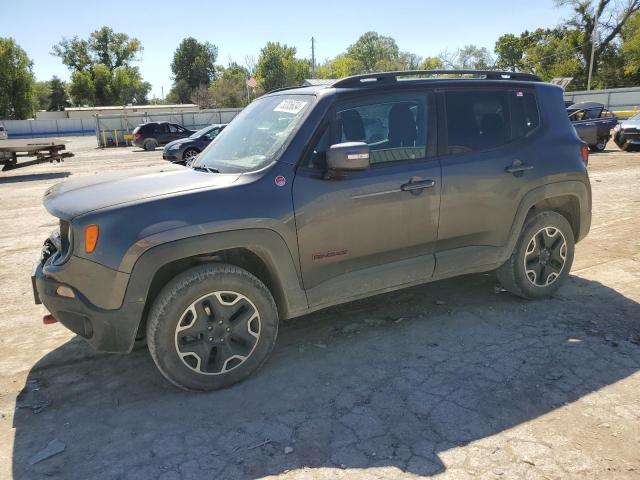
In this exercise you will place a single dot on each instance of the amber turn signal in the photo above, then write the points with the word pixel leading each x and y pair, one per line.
pixel 90 238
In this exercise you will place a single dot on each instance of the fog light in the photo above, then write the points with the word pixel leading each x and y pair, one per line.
pixel 64 291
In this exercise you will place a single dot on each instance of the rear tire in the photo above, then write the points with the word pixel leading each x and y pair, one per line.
pixel 212 326
pixel 541 259
pixel 600 146
pixel 150 145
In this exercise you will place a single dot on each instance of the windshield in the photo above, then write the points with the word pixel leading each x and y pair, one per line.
pixel 636 117
pixel 201 132
pixel 255 136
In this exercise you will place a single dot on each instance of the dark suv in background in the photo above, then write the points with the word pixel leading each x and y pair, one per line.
pixel 316 196
pixel 185 149
pixel 150 135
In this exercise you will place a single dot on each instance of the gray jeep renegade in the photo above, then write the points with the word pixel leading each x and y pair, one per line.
pixel 313 197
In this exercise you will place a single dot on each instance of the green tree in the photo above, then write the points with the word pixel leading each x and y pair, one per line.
pixel 59 98
pixel 431 63
pixel 82 89
pixel 373 50
pixel 42 93
pixel 467 57
pixel 631 45
pixel 612 17
pixel 17 82
pixel 278 67
pixel 193 65
pixel 101 66
pixel 339 67
pixel 230 90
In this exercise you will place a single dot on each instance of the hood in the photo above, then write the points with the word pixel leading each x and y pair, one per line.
pixel 630 124
pixel 75 197
pixel 178 142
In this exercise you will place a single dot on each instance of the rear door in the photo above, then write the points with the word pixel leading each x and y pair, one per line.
pixel 362 232
pixel 486 169
pixel 586 124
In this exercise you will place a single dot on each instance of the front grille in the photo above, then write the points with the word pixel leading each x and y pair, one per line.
pixel 57 247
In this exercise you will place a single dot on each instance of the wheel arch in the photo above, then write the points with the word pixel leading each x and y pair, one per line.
pixel 261 252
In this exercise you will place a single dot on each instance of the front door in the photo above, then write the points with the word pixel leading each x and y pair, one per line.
pixel 368 231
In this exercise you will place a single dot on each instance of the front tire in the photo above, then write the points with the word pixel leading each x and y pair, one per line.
pixel 189 154
pixel 212 326
pixel 541 259
pixel 600 146
pixel 150 145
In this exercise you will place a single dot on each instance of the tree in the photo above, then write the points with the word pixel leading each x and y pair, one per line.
pixel 278 67
pixel 230 89
pixel 431 63
pixel 339 67
pixel 372 49
pixel 59 98
pixel 631 45
pixel 467 57
pixel 193 65
pixel 42 93
pixel 612 17
pixel 17 82
pixel 102 70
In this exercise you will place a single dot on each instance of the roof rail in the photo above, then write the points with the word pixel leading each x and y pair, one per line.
pixel 387 77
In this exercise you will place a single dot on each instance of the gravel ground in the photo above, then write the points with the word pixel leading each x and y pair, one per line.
pixel 453 379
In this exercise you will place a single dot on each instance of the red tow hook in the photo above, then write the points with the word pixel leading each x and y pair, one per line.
pixel 49 319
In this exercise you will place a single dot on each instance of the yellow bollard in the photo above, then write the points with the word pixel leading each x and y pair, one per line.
pixel 115 134
pixel 104 138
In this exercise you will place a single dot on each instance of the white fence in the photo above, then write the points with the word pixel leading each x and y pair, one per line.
pixel 620 99
pixel 110 129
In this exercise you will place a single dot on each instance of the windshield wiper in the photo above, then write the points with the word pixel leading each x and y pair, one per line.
pixel 203 168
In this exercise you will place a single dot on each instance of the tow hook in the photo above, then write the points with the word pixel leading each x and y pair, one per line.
pixel 49 319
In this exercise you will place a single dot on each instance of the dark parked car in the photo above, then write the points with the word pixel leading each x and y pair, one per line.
pixel 316 196
pixel 627 133
pixel 593 122
pixel 185 149
pixel 150 135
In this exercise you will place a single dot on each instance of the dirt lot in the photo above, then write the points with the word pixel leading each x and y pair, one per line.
pixel 452 379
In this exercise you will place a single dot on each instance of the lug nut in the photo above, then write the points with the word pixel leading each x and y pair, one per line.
pixel 209 327
pixel 211 339
pixel 220 322
pixel 222 340
pixel 228 329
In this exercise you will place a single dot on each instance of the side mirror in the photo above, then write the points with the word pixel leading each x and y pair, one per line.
pixel 348 156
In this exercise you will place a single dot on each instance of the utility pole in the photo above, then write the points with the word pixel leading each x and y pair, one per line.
pixel 593 46
pixel 313 56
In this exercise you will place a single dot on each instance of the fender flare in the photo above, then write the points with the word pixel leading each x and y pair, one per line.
pixel 267 244
pixel 574 188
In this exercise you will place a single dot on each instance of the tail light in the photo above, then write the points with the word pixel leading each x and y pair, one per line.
pixel 584 151
pixel 137 136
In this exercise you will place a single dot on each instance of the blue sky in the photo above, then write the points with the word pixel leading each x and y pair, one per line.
pixel 242 27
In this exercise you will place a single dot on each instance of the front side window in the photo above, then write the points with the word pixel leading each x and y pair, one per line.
pixel 254 138
pixel 394 126
pixel 173 129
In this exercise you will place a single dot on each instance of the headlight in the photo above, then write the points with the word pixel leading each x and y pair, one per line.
pixel 174 147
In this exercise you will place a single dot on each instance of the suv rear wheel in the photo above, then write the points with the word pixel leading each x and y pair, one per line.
pixel 541 259
pixel 150 145
pixel 211 327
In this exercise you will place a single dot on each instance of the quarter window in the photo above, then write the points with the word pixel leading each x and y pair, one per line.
pixel 394 127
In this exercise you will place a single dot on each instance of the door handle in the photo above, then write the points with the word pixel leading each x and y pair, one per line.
pixel 518 167
pixel 412 186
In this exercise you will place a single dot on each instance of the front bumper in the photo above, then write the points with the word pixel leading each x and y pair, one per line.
pixel 172 155
pixel 108 330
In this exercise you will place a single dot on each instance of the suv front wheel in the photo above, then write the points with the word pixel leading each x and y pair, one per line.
pixel 212 326
pixel 541 259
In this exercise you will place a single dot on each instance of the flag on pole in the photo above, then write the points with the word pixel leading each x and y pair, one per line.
pixel 252 82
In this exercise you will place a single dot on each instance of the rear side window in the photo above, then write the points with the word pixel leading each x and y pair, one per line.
pixel 525 117
pixel 484 119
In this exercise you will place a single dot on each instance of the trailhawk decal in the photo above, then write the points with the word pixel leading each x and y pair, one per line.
pixel 330 254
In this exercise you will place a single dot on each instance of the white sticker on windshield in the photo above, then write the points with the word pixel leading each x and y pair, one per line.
pixel 290 106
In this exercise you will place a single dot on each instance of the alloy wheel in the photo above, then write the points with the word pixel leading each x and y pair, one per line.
pixel 545 256
pixel 217 333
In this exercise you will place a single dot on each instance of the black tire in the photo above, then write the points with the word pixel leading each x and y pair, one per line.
pixel 600 146
pixel 538 281
pixel 189 153
pixel 150 145
pixel 175 311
